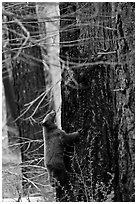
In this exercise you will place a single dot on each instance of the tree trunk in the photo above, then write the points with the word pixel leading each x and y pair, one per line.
pixel 102 166
pixel 124 98
pixel 48 17
pixel 69 33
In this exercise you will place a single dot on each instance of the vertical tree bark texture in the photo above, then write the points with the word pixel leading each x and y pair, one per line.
pixel 29 83
pixel 68 53
pixel 124 97
pixel 102 168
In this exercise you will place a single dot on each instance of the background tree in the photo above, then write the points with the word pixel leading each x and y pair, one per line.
pixel 29 84
pixel 48 17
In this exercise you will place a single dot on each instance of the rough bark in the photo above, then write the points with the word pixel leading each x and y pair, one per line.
pixel 68 53
pixel 103 105
pixel 124 98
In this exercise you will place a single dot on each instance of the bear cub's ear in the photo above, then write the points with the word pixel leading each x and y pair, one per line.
pixel 50 117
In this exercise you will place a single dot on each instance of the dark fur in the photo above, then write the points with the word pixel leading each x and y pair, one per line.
pixel 54 143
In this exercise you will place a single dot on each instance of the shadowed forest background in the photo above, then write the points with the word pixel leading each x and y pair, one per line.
pixel 78 59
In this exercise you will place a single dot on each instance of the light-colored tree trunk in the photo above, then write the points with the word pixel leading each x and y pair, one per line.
pixel 49 22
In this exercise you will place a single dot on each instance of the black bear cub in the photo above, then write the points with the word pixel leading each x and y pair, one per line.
pixel 54 143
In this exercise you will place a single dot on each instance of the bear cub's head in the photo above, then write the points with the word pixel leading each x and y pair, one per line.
pixel 49 120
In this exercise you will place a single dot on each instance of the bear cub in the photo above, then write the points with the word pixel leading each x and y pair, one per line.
pixel 54 143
